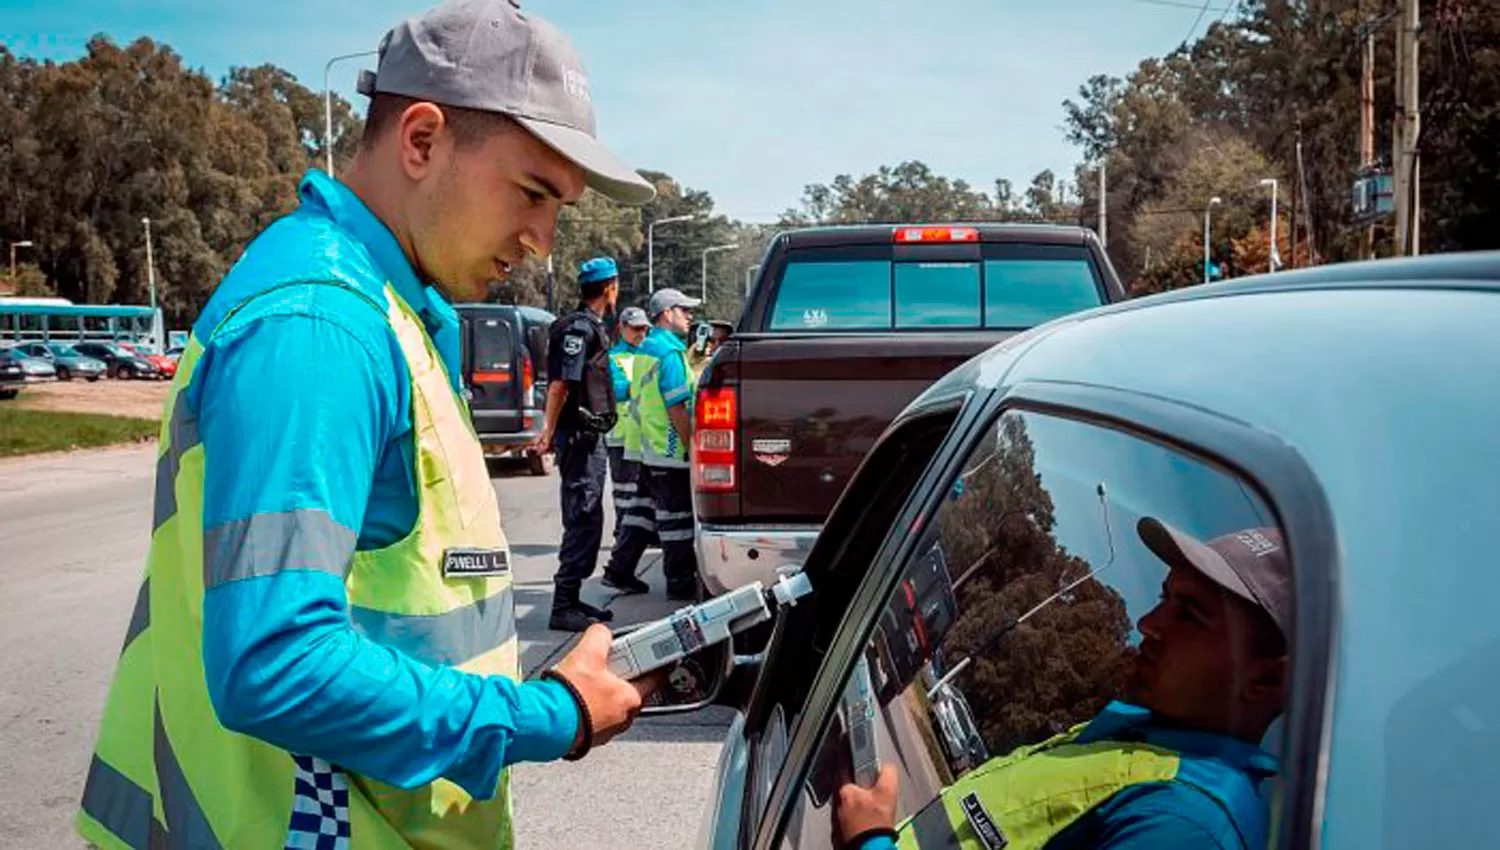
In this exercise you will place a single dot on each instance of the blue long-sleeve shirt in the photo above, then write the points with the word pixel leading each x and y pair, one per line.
pixel 303 404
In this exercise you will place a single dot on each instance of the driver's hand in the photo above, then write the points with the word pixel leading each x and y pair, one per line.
pixel 859 810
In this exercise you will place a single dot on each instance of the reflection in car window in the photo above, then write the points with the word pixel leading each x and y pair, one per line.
pixel 1022 293
pixel 937 295
pixel 1089 639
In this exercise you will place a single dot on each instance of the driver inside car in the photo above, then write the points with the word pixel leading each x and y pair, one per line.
pixel 1176 765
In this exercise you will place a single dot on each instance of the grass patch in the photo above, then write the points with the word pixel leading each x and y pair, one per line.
pixel 29 431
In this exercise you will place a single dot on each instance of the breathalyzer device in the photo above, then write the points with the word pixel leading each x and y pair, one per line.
pixel 660 643
pixel 858 705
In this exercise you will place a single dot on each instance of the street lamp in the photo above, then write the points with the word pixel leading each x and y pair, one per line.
pixel 24 243
pixel 151 280
pixel 1273 260
pixel 651 247
pixel 328 102
pixel 711 250
pixel 1207 218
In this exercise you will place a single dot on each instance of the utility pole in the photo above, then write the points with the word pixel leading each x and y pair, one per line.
pixel 1367 120
pixel 1407 130
pixel 1103 208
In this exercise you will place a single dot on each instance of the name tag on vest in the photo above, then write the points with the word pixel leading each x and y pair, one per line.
pixel 475 563
pixel 985 829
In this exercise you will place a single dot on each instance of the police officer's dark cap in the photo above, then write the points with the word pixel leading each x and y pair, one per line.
pixel 491 56
pixel 1251 563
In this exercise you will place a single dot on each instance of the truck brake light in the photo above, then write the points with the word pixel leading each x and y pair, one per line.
pixel 715 468
pixel 937 234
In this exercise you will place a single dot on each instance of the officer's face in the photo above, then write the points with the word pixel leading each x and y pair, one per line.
pixel 481 208
pixel 634 336
pixel 1196 666
pixel 680 320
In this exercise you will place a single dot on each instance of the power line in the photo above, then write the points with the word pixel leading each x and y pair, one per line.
pixel 1194 28
pixel 1178 4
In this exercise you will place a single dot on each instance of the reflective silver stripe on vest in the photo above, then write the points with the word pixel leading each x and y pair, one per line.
pixel 140 618
pixel 266 544
pixel 119 805
pixel 667 516
pixel 448 639
pixel 182 431
pixel 186 824
pixel 932 828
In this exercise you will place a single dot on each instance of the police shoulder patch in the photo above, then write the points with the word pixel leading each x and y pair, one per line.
pixel 572 345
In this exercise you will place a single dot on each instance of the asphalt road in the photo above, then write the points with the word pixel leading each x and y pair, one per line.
pixel 73 537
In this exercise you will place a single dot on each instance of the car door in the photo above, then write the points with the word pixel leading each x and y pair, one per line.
pixel 1003 608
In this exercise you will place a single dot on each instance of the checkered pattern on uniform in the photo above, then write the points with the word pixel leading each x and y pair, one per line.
pixel 320 809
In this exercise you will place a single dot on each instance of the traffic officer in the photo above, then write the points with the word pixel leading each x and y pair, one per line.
pixel 635 519
pixel 580 412
pixel 661 395
pixel 323 649
pixel 1178 767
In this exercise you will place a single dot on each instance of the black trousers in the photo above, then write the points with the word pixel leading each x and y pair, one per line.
pixel 672 494
pixel 635 516
pixel 581 464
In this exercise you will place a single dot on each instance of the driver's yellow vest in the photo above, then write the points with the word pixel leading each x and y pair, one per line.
pixel 1023 800
pixel 166 774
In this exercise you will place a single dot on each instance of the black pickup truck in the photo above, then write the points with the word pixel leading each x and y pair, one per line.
pixel 845 326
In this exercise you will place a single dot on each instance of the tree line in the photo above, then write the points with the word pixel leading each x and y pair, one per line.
pixel 89 148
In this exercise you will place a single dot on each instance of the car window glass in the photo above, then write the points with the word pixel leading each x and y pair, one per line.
pixel 937 295
pixel 1022 293
pixel 1038 639
pixel 492 345
pixel 833 295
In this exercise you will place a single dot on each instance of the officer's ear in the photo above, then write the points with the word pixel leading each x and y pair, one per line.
pixel 418 133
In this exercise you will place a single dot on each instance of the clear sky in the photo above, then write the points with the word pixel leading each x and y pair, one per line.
pixel 750 100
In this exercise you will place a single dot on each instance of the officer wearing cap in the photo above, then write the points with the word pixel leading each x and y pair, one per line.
pixel 661 396
pixel 635 518
pixel 323 649
pixel 580 412
pixel 1176 766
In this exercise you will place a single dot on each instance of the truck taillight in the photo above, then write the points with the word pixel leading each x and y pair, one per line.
pixel 528 384
pixel 714 464
pixel 937 234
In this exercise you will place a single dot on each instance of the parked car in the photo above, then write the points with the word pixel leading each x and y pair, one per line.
pixel 68 362
pixel 166 366
pixel 119 361
pixel 505 376
pixel 1342 409
pixel 17 369
pixel 846 325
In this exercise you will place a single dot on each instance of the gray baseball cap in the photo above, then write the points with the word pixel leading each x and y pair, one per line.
pixel 634 317
pixel 663 300
pixel 491 56
pixel 1251 563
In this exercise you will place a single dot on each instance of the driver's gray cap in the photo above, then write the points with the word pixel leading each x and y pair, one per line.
pixel 489 55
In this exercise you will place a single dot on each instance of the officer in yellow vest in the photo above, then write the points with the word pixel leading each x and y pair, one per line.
pixel 1177 767
pixel 323 649
pixel 635 515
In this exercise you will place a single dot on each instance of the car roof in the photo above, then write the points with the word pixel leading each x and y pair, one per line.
pixel 884 234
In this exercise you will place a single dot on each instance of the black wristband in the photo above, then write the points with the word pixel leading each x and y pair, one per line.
pixel 585 722
pixel 858 841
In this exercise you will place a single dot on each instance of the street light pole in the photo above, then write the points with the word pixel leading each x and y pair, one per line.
pixel 328 102
pixel 1272 261
pixel 1207 225
pixel 651 248
pixel 151 281
pixel 23 243
pixel 710 250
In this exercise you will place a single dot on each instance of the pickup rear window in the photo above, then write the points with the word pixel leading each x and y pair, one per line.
pixel 1025 286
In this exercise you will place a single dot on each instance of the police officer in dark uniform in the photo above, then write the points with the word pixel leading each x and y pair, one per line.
pixel 580 412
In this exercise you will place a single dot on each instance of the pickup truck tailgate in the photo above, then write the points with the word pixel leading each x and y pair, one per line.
pixel 809 411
